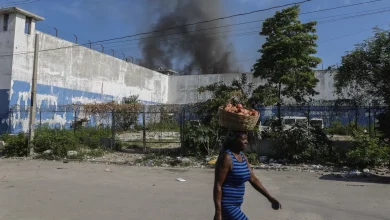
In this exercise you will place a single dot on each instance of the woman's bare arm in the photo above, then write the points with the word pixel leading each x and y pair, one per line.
pixel 255 182
pixel 223 165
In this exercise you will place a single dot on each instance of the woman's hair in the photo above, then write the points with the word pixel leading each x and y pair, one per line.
pixel 230 140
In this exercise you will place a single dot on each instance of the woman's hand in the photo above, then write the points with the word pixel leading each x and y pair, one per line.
pixel 275 203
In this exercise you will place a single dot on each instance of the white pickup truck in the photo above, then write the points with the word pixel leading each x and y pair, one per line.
pixel 289 121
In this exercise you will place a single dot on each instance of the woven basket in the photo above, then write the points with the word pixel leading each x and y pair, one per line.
pixel 237 122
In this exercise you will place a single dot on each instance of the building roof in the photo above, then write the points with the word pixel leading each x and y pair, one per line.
pixel 11 10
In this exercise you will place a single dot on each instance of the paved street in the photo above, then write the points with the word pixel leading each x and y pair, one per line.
pixel 37 190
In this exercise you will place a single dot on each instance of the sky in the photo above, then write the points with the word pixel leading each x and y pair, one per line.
pixel 96 20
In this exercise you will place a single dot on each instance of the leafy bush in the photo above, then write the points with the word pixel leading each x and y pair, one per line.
pixel 337 128
pixel 201 139
pixel 59 141
pixel 62 141
pixel 367 151
pixel 252 158
pixel 301 144
pixel 384 123
pixel 90 137
pixel 126 119
pixel 16 145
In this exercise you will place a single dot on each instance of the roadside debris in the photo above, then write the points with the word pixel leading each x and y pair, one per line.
pixel 48 152
pixel 72 153
pixel 355 185
pixel 180 180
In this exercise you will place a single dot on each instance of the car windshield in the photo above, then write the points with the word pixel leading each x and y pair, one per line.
pixel 289 121
pixel 316 123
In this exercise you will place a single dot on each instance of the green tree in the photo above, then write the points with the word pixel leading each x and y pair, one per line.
pixel 287 59
pixel 126 118
pixel 238 92
pixel 364 73
pixel 208 136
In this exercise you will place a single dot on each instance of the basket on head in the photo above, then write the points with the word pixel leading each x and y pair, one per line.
pixel 237 122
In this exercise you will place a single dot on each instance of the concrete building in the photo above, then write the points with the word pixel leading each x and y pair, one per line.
pixel 69 73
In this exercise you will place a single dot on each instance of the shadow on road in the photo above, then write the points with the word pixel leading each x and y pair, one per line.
pixel 371 179
pixel 140 150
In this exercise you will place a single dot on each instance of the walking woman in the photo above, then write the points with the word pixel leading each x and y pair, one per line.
pixel 231 173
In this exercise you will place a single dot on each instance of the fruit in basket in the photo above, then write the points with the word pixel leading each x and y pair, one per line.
pixel 240 110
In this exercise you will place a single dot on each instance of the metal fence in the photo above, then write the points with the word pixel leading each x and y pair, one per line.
pixel 163 126
pixel 152 127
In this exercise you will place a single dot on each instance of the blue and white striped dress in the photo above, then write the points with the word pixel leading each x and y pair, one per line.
pixel 233 189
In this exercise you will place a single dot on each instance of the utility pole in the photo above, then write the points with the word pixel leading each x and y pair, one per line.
pixel 33 103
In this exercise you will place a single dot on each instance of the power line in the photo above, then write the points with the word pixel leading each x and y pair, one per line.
pixel 21 53
pixel 202 22
pixel 194 36
pixel 195 40
pixel 354 16
pixel 350 34
pixel 175 40
pixel 249 22
pixel 17 3
pixel 180 26
pixel 339 7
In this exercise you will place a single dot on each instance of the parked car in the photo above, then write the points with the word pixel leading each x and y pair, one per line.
pixel 317 123
pixel 289 121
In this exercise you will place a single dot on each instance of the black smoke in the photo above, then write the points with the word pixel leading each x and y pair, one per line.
pixel 187 49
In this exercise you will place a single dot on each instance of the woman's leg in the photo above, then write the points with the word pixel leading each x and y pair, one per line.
pixel 233 213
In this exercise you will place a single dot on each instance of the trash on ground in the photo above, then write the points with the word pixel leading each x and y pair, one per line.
pixel 212 162
pixel 180 180
pixel 355 185
pixel 263 159
pixel 72 153
pixel 355 173
pixel 107 170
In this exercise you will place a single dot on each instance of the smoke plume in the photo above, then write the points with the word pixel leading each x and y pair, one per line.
pixel 187 49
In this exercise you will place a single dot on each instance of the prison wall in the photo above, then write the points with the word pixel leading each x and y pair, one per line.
pixel 74 74
pixel 7 34
pixel 183 89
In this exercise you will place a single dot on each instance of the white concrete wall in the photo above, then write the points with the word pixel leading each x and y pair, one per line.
pixel 6 50
pixel 183 89
pixel 74 74
pixel 82 69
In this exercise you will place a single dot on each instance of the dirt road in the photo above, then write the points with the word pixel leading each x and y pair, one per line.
pixel 52 191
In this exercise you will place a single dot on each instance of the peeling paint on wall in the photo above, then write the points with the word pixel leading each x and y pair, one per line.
pixel 4 111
